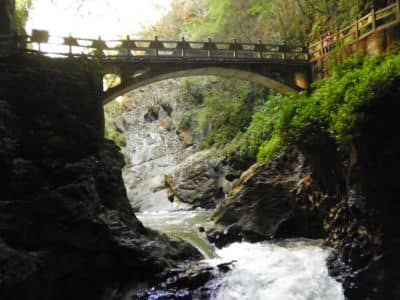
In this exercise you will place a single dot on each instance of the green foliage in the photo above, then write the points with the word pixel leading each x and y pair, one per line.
pixel 333 109
pixel 245 145
pixel 22 8
pixel 192 92
pixel 185 120
pixel 393 49
pixel 170 125
pixel 269 148
pixel 273 21
pixel 113 112
pixel 227 111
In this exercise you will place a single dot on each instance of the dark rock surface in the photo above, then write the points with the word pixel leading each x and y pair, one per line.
pixel 187 282
pixel 265 204
pixel 152 113
pixel 67 230
pixel 7 21
pixel 345 195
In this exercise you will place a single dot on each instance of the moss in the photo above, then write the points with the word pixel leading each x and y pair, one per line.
pixel 113 112
pixel 333 109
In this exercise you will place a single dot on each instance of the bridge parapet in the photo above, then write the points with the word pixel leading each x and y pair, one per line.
pixel 41 42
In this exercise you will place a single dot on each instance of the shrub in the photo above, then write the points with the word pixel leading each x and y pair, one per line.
pixel 333 108
pixel 227 112
pixel 185 120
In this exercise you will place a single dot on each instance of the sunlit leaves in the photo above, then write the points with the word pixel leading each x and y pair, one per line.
pixel 333 109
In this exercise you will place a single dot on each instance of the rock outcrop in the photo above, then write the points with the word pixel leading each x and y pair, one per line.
pixel 153 147
pixel 7 20
pixel 67 230
pixel 198 181
pixel 344 195
pixel 267 202
pixel 165 162
pixel 195 281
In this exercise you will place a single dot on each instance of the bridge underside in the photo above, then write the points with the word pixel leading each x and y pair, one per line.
pixel 282 76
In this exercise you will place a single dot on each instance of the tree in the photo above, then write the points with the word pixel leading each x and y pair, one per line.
pixel 22 8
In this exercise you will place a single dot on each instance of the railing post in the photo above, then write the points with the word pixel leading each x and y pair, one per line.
pixel 357 26
pixel 397 9
pixel 128 48
pixel 260 52
pixel 156 50
pixel 373 15
pixel 183 46
pixel 306 50
pixel 234 47
pixel 209 46
pixel 321 45
pixel 337 35
pixel 70 45
pixel 284 51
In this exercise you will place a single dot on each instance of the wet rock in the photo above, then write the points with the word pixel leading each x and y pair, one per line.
pixel 185 136
pixel 197 181
pixel 262 200
pixel 226 267
pixel 187 282
pixel 167 108
pixel 152 113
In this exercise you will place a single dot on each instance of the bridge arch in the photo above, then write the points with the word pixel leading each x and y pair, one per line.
pixel 231 73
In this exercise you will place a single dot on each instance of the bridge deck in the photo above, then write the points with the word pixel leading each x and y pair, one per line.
pixel 41 42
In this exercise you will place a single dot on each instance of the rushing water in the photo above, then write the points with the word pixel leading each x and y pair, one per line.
pixel 290 270
pixel 183 225
pixel 284 270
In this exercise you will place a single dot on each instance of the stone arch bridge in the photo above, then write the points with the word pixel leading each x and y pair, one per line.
pixel 278 75
pixel 141 62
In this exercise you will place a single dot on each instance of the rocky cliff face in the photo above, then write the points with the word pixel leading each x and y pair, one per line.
pixel 343 195
pixel 165 169
pixel 67 229
pixel 271 200
pixel 7 20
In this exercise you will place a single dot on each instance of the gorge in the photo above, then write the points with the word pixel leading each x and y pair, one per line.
pixel 204 187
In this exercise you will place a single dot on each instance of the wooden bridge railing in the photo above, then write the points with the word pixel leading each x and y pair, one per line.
pixel 41 42
pixel 376 20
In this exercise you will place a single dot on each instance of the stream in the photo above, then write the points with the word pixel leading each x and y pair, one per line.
pixel 293 269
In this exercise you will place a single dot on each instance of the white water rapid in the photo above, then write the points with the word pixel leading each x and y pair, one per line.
pixel 285 270
pixel 289 270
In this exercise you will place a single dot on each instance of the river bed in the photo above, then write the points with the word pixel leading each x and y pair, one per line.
pixel 293 269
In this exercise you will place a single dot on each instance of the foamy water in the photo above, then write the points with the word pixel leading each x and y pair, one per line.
pixel 285 270
pixel 290 270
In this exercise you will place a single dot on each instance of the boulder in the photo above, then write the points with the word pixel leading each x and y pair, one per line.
pixel 266 203
pixel 193 281
pixel 152 113
pixel 197 181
